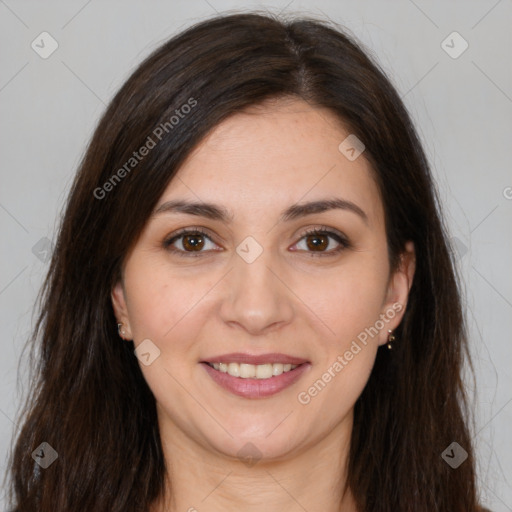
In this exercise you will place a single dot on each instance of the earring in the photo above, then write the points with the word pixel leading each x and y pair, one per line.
pixel 119 330
pixel 391 338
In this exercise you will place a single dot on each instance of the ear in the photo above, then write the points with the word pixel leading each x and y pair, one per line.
pixel 120 310
pixel 398 292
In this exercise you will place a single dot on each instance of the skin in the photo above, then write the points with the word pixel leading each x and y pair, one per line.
pixel 291 300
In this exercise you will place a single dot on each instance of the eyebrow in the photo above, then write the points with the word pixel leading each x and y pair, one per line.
pixel 217 212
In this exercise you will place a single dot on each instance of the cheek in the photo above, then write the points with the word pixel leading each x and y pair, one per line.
pixel 347 301
pixel 152 306
pixel 350 308
pixel 168 309
pixel 157 297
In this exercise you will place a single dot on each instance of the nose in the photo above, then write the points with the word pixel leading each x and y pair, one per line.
pixel 257 298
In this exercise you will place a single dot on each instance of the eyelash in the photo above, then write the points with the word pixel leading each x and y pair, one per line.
pixel 323 230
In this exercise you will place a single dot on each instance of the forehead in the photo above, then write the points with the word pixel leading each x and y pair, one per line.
pixel 273 155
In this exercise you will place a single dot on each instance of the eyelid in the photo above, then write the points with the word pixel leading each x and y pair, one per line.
pixel 327 230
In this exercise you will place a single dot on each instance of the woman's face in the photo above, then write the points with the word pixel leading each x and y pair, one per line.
pixel 255 287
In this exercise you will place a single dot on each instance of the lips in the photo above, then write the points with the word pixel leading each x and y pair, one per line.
pixel 256 388
pixel 264 385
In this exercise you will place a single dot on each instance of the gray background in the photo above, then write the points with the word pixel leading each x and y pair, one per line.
pixel 462 107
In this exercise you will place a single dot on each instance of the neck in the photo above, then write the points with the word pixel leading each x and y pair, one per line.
pixel 313 478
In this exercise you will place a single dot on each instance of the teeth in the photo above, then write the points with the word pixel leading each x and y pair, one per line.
pixel 253 371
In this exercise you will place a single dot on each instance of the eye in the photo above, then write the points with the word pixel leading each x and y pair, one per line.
pixel 191 240
pixel 317 241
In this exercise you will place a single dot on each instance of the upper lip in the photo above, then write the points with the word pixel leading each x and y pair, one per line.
pixel 238 357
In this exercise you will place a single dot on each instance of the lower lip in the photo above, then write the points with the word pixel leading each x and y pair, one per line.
pixel 256 388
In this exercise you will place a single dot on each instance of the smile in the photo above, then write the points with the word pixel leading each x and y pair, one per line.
pixel 255 381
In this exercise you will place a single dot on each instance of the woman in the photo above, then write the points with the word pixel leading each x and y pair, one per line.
pixel 252 304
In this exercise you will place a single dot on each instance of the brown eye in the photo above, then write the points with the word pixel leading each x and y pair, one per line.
pixel 188 242
pixel 193 242
pixel 317 241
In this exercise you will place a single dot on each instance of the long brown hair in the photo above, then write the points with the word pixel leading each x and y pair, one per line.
pixel 89 400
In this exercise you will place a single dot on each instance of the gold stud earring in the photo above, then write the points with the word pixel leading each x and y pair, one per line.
pixel 391 338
